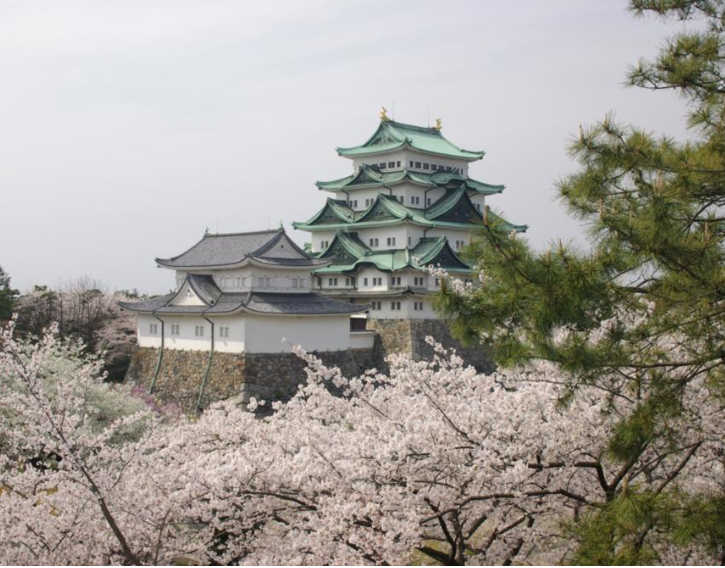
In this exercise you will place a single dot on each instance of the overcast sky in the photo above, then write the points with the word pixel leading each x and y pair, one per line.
pixel 128 127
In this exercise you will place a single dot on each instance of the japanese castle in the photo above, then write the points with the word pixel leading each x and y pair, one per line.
pixel 245 293
pixel 409 204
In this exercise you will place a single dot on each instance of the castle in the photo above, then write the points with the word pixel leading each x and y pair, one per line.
pixel 359 290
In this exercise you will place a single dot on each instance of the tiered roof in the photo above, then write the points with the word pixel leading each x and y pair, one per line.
pixel 232 250
pixel 454 210
pixel 371 177
pixel 391 136
pixel 348 253
pixel 216 302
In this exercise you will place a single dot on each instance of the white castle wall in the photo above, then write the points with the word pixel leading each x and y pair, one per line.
pixel 248 333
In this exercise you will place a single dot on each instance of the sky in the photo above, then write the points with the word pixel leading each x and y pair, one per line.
pixel 129 127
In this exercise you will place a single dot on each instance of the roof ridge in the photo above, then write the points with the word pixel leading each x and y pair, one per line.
pixel 210 235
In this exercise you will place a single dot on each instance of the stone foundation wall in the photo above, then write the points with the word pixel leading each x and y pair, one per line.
pixel 267 376
pixel 276 376
pixel 408 336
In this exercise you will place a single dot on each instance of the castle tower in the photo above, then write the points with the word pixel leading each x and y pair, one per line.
pixel 408 204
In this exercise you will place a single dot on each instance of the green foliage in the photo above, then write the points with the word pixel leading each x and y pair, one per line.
pixel 641 313
pixel 7 296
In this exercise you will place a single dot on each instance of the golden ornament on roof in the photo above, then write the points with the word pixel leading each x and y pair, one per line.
pixel 384 114
pixel 439 124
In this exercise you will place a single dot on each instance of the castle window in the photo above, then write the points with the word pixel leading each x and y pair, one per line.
pixel 417 165
pixel 400 198
pixel 395 281
pixel 199 330
pixel 377 306
pixel 332 282
pixel 348 281
pixel 449 169
pixel 418 306
pixel 428 201
pixel 378 281
pixel 433 167
pixel 174 329
pixel 224 331
pixel 425 166
pixel 398 164
pixel 410 240
pixel 391 164
pixel 478 207
pixel 411 164
pixel 395 306
pixel 365 281
pixel 154 328
pixel 374 242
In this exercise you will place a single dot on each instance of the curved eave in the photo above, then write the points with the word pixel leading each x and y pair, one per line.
pixel 360 151
pixel 169 311
pixel 261 262
pixel 374 224
pixel 362 308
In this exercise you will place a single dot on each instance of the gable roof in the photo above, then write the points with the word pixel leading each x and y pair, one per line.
pixel 371 177
pixel 348 253
pixel 392 135
pixel 230 249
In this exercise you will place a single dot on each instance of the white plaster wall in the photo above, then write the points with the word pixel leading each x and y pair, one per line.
pixel 322 282
pixel 362 339
pixel 318 236
pixel 265 334
pixel 434 195
pixel 452 235
pixel 371 273
pixel 480 201
pixel 186 339
pixel 406 311
pixel 400 232
pixel 398 156
pixel 248 278
pixel 414 156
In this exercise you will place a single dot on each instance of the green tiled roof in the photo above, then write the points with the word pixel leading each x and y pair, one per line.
pixel 371 177
pixel 453 210
pixel 348 253
pixel 392 135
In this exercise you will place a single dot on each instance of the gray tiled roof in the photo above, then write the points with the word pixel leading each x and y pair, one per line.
pixel 302 304
pixel 233 248
pixel 218 302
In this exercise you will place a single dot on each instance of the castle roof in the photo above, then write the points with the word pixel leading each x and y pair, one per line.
pixel 371 177
pixel 216 302
pixel 392 135
pixel 454 210
pixel 235 249
pixel 348 253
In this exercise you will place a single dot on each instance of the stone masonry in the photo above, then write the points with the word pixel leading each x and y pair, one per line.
pixel 408 336
pixel 276 376
pixel 266 376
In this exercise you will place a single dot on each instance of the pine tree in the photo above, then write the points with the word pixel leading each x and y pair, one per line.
pixel 652 278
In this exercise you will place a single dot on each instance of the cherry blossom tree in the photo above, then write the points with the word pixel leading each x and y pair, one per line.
pixel 429 463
